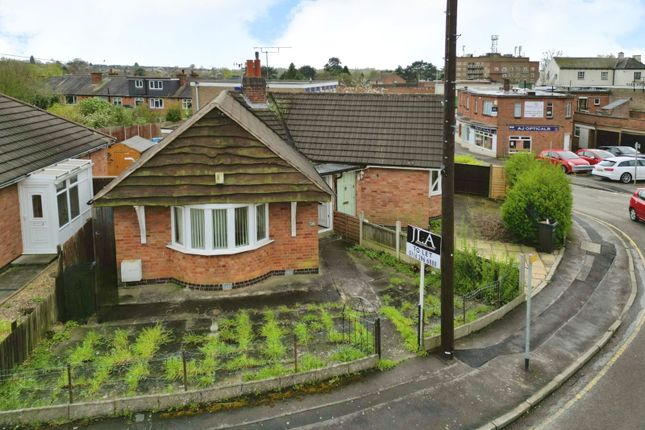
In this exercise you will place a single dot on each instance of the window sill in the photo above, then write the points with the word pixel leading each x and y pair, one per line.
pixel 211 252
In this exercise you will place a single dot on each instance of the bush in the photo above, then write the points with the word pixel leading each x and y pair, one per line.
pixel 173 114
pixel 468 159
pixel 543 192
pixel 518 164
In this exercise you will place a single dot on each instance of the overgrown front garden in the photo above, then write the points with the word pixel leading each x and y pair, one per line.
pixel 119 361
pixel 481 286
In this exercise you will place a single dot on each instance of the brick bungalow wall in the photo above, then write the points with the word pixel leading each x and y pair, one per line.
pixel 388 195
pixel 159 261
pixel 99 162
pixel 10 231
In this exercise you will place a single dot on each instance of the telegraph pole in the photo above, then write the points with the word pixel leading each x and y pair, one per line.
pixel 448 186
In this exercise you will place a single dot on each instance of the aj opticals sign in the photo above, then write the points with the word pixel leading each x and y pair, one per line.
pixel 533 128
pixel 423 246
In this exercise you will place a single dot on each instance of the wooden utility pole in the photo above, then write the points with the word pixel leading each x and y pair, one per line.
pixel 448 186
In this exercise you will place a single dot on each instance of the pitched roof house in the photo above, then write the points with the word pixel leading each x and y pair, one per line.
pixel 221 202
pixel 45 178
pixel 381 153
pixel 594 71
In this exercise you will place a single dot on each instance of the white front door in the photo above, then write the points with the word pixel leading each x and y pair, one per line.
pixel 36 222
pixel 567 142
pixel 323 214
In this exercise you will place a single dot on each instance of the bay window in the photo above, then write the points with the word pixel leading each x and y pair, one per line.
pixel 219 229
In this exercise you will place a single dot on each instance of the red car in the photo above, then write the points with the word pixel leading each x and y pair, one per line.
pixel 593 156
pixel 569 161
pixel 637 205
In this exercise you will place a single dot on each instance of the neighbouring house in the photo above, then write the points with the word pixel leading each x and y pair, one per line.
pixel 123 154
pixel 615 123
pixel 381 153
pixel 220 203
pixel 501 122
pixel 497 67
pixel 594 71
pixel 46 165
pixel 159 93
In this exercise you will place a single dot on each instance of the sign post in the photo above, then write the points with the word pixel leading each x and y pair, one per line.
pixel 527 340
pixel 637 146
pixel 425 247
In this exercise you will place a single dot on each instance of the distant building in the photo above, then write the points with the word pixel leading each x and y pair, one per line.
pixel 594 71
pixel 502 122
pixel 497 67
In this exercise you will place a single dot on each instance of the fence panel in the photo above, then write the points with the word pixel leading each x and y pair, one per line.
pixel 379 234
pixel 147 131
pixel 347 226
pixel 471 179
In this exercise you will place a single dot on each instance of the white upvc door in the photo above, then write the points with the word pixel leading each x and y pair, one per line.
pixel 37 221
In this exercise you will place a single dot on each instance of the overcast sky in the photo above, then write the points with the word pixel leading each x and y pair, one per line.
pixel 362 33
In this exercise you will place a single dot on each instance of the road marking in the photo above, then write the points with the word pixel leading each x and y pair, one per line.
pixel 641 321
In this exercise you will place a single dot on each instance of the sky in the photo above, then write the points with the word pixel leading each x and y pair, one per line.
pixel 361 33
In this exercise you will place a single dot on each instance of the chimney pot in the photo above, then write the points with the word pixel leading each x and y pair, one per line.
pixel 96 77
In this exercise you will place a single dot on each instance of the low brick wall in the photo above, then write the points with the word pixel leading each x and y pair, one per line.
pixel 157 402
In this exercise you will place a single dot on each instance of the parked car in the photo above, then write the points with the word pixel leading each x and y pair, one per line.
pixel 637 205
pixel 622 151
pixel 569 161
pixel 593 156
pixel 620 169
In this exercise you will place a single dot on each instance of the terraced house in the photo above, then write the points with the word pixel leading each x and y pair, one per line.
pixel 157 93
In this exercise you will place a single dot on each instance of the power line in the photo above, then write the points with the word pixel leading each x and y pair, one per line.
pixel 27 57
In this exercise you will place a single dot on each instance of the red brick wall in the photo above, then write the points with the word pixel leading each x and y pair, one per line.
pixel 10 231
pixel 159 261
pixel 388 195
pixel 99 162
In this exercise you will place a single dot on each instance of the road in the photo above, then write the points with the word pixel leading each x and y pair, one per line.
pixel 609 391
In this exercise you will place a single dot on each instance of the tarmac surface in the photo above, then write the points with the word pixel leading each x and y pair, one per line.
pixel 485 380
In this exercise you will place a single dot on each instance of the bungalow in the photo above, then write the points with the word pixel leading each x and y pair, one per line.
pixel 45 178
pixel 381 153
pixel 221 202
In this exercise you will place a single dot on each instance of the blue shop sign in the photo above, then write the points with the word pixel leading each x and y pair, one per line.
pixel 484 129
pixel 533 127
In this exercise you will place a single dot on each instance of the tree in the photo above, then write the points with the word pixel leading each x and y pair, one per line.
pixel 419 70
pixel 78 66
pixel 292 73
pixel 547 57
pixel 26 82
pixel 270 72
pixel 32 60
pixel 333 66
pixel 308 72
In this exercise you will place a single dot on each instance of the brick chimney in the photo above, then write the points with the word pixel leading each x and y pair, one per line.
pixel 183 78
pixel 254 86
pixel 507 85
pixel 637 58
pixel 621 55
pixel 97 77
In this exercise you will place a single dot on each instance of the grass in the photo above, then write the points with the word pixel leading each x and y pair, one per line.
pixel 310 362
pixel 385 259
pixel 302 334
pixel 243 331
pixel 347 353
pixel 468 159
pixel 135 374
pixel 385 364
pixel 274 349
pixel 404 325
pixel 149 341
pixel 273 371
pixel 333 335
pixel 86 351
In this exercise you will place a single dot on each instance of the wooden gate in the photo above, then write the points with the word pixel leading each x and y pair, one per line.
pixel 471 179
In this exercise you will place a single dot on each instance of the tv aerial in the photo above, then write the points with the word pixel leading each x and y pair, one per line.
pixel 266 50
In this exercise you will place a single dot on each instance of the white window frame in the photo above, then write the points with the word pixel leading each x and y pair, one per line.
pixel 117 101
pixel 568 110
pixel 581 75
pixel 154 105
pixel 596 101
pixel 187 104
pixel 548 110
pixel 138 83
pixel 517 110
pixel 208 248
pixel 604 76
pixel 155 84
pixel 576 131
pixel 488 108
pixel 638 76
pixel 519 139
pixel 434 186
pixel 69 183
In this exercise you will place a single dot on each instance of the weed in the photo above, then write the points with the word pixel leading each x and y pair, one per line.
pixel 271 331
pixel 149 341
pixel 404 325
pixel 347 353
pixel 309 362
pixel 173 369
pixel 266 372
pixel 302 333
pixel 86 351
pixel 385 364
pixel 193 339
pixel 242 362
pixel 243 331
pixel 135 374
pixel 333 335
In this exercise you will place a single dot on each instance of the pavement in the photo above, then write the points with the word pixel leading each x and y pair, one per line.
pixel 485 384
pixel 20 272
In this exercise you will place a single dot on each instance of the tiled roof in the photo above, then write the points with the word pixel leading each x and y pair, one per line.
pixel 31 139
pixel 403 130
pixel 598 63
pixel 119 86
